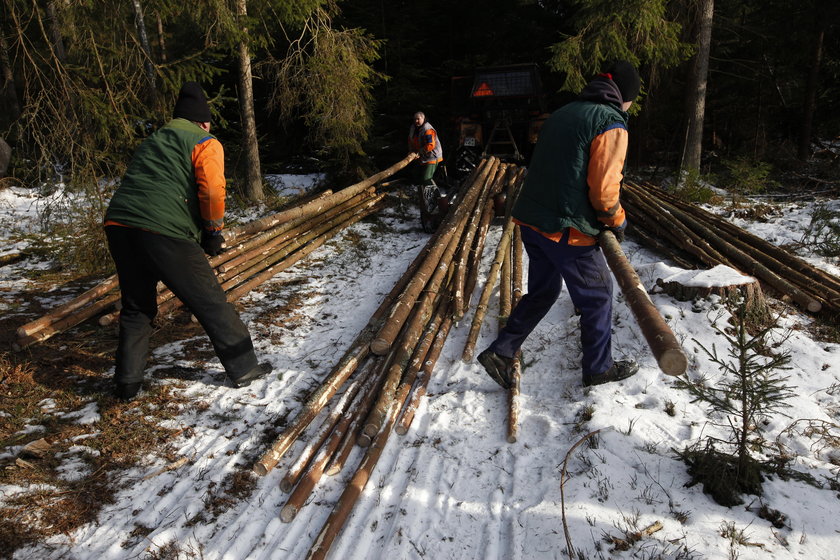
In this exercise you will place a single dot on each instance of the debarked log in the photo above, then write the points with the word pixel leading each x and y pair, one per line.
pixel 661 340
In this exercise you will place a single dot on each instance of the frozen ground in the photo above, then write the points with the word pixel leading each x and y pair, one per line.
pixel 452 487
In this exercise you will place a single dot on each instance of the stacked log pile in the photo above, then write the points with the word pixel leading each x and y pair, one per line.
pixel 694 238
pixel 384 374
pixel 255 252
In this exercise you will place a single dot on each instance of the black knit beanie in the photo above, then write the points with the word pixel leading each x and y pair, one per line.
pixel 626 77
pixel 192 104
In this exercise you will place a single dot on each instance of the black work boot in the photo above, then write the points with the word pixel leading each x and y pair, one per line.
pixel 617 372
pixel 498 367
pixel 260 370
pixel 126 391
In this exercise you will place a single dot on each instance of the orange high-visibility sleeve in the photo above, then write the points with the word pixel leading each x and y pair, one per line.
pixel 208 159
pixel 606 161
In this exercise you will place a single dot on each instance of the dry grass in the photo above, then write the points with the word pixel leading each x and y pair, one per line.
pixel 55 498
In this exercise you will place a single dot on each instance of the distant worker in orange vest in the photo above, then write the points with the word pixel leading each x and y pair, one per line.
pixel 423 140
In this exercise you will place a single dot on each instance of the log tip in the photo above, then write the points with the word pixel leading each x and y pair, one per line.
pixel 673 362
pixel 261 469
pixel 814 306
pixel 511 438
pixel 379 346
pixel 288 513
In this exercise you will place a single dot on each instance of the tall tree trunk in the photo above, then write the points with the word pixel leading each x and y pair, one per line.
pixel 253 175
pixel 8 93
pixel 140 22
pixel 55 31
pixel 696 95
pixel 804 149
pixel 161 38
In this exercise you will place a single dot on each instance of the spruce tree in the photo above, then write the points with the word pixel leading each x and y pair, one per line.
pixel 747 390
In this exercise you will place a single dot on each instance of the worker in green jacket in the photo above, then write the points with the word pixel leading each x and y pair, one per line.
pixel 166 214
pixel 571 195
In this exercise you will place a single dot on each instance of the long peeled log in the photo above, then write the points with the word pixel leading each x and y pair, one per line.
pixel 320 204
pixel 481 308
pixel 659 336
pixel 416 395
pixel 516 288
pixel 332 527
pixel 66 322
pixel 313 405
pixel 435 247
pixel 64 310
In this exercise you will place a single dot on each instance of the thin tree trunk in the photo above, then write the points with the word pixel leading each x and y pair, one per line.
pixel 253 174
pixel 7 90
pixel 810 107
pixel 140 21
pixel 696 98
pixel 161 38
pixel 55 31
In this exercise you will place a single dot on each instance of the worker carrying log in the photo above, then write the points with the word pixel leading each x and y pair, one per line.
pixel 167 212
pixel 570 196
pixel 424 141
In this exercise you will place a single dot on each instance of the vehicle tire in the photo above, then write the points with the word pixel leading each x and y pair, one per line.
pixel 430 212
pixel 466 159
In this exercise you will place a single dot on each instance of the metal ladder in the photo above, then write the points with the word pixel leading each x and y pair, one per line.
pixel 503 130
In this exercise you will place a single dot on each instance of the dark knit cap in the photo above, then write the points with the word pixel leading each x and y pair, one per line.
pixel 192 104
pixel 626 77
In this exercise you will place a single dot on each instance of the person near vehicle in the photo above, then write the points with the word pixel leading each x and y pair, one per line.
pixel 423 140
pixel 570 196
pixel 166 214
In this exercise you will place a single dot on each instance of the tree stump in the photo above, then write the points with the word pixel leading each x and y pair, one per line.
pixel 733 288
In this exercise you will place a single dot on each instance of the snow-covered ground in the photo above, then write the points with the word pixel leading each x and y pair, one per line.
pixel 453 487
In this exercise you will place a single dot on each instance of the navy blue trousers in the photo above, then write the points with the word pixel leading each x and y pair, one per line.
pixel 590 286
pixel 142 259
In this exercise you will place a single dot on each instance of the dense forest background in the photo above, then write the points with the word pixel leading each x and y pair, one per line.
pixel 332 85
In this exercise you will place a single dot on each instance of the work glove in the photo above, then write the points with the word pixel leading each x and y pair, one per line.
pixel 618 231
pixel 211 242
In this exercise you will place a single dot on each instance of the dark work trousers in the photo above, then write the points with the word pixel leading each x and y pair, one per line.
pixel 590 286
pixel 143 258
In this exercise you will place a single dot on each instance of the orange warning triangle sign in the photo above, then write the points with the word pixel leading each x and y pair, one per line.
pixel 483 90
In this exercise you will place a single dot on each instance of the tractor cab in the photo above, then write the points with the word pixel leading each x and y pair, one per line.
pixel 498 111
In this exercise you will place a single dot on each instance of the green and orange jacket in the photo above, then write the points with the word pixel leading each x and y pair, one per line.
pixel 175 184
pixel 574 179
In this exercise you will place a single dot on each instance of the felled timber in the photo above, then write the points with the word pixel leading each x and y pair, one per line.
pixel 516 293
pixel 416 318
pixel 784 274
pixel 318 205
pixel 401 309
pixel 481 307
pixel 659 336
pixel 63 310
pixel 255 252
